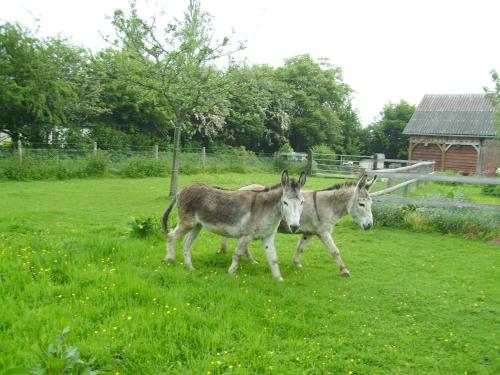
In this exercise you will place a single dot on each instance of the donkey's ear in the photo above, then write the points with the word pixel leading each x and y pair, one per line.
pixel 302 179
pixel 285 179
pixel 361 182
pixel 369 184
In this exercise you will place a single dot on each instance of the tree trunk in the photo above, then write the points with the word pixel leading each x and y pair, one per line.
pixel 175 160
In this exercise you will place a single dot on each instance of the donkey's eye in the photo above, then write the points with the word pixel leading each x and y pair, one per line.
pixel 284 202
pixel 302 202
pixel 362 204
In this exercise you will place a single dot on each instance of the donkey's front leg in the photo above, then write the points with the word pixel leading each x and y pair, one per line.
pixel 272 257
pixel 238 252
pixel 326 237
pixel 300 248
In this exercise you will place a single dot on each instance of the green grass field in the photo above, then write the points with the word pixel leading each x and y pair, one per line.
pixel 417 303
pixel 465 192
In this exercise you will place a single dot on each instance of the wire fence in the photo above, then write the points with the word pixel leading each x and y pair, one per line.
pixel 192 160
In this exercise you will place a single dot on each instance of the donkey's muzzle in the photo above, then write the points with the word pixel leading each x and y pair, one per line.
pixel 367 226
pixel 294 228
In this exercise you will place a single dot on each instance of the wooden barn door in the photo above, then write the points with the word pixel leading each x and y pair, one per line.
pixel 429 152
pixel 461 158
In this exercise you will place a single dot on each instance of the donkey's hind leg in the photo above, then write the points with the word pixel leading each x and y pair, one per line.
pixel 334 251
pixel 238 252
pixel 223 246
pixel 300 249
pixel 179 230
pixel 250 257
pixel 188 242
pixel 223 250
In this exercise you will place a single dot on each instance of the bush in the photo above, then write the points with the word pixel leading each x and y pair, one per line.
pixel 145 226
pixel 388 215
pixel 95 165
pixel 145 167
pixel 493 190
pixel 322 149
pixel 459 221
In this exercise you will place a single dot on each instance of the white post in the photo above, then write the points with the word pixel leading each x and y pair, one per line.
pixel 94 151
pixel 203 156
pixel 156 152
pixel 20 150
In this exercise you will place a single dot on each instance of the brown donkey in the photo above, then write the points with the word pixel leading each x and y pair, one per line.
pixel 242 214
pixel 322 210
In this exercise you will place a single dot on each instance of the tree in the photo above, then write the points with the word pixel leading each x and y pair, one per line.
pixel 258 109
pixel 43 85
pixel 493 96
pixel 320 99
pixel 176 63
pixel 386 135
pixel 135 115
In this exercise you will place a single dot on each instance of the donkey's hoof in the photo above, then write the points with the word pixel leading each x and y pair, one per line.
pixel 191 268
pixel 169 260
pixel 345 273
pixel 221 251
pixel 298 264
pixel 280 279
pixel 231 270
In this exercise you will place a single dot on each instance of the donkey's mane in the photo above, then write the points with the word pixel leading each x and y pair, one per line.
pixel 340 186
pixel 293 183
pixel 266 189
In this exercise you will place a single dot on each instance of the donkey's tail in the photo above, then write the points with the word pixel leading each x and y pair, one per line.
pixel 164 220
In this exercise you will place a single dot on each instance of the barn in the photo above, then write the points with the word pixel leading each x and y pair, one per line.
pixel 456 131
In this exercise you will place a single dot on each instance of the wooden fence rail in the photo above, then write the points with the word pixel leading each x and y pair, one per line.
pixel 433 177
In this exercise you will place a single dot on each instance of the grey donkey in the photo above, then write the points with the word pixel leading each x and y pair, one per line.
pixel 322 210
pixel 243 214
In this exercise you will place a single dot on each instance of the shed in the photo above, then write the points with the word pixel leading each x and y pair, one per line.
pixel 456 131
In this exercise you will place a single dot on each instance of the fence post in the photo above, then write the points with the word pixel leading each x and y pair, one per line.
pixel 20 150
pixel 309 165
pixel 375 166
pixel 203 157
pixel 156 152
pixel 406 189
pixel 277 160
pixel 94 151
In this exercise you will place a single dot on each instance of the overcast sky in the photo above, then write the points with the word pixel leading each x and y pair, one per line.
pixel 388 49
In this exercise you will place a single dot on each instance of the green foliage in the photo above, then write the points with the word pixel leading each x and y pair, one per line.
pixel 286 148
pixel 493 96
pixel 44 85
pixel 39 167
pixel 493 190
pixel 322 149
pixel 321 102
pixel 459 221
pixel 386 135
pixel 145 226
pixel 95 166
pixel 145 167
pixel 60 358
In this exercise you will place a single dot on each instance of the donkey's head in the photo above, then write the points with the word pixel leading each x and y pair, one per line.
pixel 292 200
pixel 360 205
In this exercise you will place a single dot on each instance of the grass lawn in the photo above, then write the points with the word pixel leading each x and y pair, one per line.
pixel 468 192
pixel 417 303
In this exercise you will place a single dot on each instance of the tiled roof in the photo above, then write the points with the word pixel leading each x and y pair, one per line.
pixel 464 115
